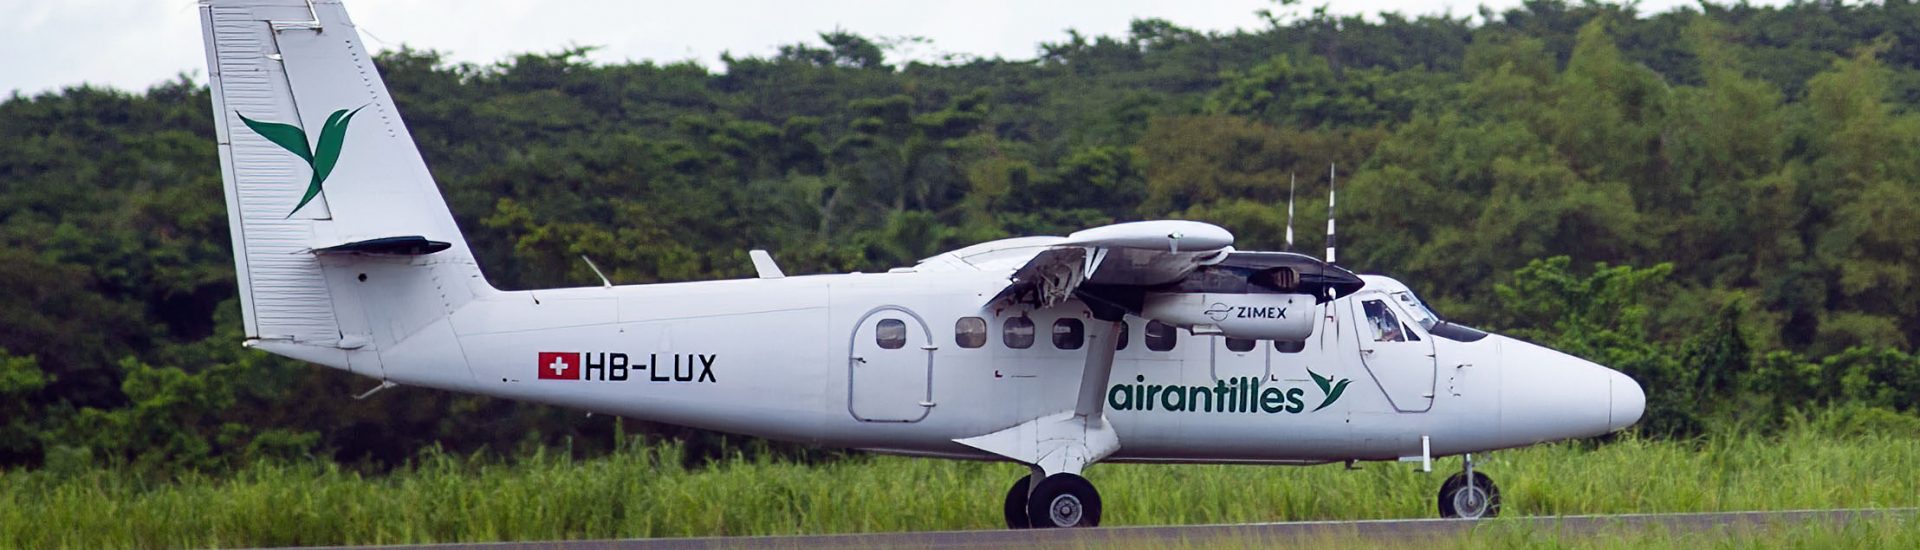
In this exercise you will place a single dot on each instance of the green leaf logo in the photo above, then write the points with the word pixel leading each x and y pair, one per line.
pixel 1332 390
pixel 321 157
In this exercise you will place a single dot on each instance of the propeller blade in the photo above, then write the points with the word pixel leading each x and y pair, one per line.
pixel 1291 183
pixel 1330 196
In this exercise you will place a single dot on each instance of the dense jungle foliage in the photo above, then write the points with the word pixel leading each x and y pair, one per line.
pixel 1720 201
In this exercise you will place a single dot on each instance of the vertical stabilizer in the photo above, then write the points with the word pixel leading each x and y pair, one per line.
pixel 342 240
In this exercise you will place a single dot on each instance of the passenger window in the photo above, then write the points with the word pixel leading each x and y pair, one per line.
pixel 1289 347
pixel 970 332
pixel 892 334
pixel 1017 333
pixel 1069 334
pixel 1240 345
pixel 1120 337
pixel 1161 336
pixel 1386 327
pixel 1408 330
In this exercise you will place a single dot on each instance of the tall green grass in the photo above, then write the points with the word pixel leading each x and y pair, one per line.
pixel 644 492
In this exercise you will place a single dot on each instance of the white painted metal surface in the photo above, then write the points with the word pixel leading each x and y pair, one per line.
pixel 864 361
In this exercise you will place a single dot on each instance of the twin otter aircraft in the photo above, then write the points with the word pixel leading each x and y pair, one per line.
pixel 1152 341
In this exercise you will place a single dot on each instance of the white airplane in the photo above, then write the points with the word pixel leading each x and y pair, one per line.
pixel 1151 341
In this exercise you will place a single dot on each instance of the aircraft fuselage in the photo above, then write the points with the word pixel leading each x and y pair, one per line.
pixel 800 359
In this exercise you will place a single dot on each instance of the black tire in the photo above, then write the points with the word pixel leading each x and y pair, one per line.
pixel 1064 500
pixel 1016 507
pixel 1456 501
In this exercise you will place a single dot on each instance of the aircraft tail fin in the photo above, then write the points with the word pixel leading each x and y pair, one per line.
pixel 341 237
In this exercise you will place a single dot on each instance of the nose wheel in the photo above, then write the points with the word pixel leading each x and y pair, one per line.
pixel 1060 500
pixel 1469 494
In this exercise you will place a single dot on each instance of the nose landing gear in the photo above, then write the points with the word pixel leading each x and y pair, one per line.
pixel 1469 494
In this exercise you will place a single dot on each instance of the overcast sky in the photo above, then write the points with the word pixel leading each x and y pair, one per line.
pixel 132 44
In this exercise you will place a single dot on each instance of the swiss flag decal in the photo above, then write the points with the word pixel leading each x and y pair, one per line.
pixel 559 366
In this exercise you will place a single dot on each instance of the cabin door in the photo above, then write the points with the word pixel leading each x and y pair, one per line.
pixel 890 367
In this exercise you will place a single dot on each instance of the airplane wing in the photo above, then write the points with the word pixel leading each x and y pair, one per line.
pixel 1129 254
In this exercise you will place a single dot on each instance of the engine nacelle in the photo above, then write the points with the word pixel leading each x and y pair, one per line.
pixel 1258 316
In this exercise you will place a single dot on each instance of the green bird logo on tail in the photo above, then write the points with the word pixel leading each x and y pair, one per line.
pixel 1327 386
pixel 321 158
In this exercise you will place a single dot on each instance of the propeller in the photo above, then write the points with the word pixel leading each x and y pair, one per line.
pixel 1292 181
pixel 1333 315
pixel 1331 176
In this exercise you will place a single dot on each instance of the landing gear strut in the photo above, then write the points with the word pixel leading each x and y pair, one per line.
pixel 1060 500
pixel 1469 494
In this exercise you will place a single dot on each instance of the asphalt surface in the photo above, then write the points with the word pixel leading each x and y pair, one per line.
pixel 1262 534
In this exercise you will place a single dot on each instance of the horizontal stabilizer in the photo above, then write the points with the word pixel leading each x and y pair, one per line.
pixel 412 245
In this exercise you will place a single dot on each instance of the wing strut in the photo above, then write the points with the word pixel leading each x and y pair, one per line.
pixel 1099 370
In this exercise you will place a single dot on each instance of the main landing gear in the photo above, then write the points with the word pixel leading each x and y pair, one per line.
pixel 1060 500
pixel 1469 494
pixel 1057 447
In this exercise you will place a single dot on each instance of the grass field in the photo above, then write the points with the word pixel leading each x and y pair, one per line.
pixel 644 492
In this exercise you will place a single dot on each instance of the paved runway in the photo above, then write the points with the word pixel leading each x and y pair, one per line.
pixel 1265 534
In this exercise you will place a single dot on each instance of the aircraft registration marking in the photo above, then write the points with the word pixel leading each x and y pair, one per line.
pixel 619 367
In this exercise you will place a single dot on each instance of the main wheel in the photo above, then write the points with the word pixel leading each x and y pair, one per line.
pixel 1016 507
pixel 1064 500
pixel 1458 500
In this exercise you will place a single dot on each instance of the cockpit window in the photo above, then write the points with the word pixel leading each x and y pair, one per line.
pixel 1417 310
pixel 1457 332
pixel 1386 327
pixel 1420 313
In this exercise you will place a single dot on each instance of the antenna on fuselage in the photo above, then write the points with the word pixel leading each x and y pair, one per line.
pixel 1292 181
pixel 604 282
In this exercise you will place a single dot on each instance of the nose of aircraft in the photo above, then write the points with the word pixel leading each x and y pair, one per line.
pixel 1547 395
pixel 1628 401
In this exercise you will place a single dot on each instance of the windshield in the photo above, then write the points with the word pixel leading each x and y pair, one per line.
pixel 1418 311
